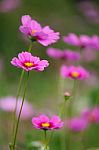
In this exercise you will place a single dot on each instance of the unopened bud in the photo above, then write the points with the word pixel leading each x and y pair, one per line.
pixel 67 96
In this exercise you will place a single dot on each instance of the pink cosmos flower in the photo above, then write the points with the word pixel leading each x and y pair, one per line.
pixel 82 40
pixel 44 123
pixel 66 54
pixel 8 104
pixel 76 124
pixel 28 62
pixel 35 32
pixel 91 115
pixel 8 5
pixel 74 72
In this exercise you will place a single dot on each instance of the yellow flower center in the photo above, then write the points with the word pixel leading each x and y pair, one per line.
pixel 33 31
pixel 29 64
pixel 45 124
pixel 75 74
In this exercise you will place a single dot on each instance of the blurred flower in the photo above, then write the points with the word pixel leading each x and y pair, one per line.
pixel 95 42
pixel 44 123
pixel 66 54
pixel 8 5
pixel 89 10
pixel 35 32
pixel 76 124
pixel 28 62
pixel 82 41
pixel 91 115
pixel 74 72
pixel 8 104
pixel 89 55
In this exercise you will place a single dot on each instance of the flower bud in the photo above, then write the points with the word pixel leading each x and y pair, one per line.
pixel 67 96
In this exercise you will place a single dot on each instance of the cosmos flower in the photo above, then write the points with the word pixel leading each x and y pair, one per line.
pixel 28 62
pixel 76 124
pixel 32 29
pixel 44 123
pixel 74 72
pixel 66 54
pixel 82 41
pixel 91 115
pixel 8 104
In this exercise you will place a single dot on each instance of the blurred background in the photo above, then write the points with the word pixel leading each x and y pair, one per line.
pixel 65 16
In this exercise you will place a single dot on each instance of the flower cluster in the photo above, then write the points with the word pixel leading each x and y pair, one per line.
pixel 82 41
pixel 32 29
pixel 87 117
pixel 26 61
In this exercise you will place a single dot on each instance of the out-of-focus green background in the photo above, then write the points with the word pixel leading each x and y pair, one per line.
pixel 64 16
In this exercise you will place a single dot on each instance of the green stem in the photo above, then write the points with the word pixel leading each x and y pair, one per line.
pixel 45 138
pixel 70 112
pixel 71 104
pixel 17 124
pixel 30 47
pixel 62 109
pixel 18 93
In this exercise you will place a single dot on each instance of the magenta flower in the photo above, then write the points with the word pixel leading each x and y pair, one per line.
pixel 74 72
pixel 82 40
pixel 28 62
pixel 8 104
pixel 44 123
pixel 35 32
pixel 91 115
pixel 76 124
pixel 66 54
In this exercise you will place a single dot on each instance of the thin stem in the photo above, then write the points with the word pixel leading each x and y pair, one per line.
pixel 45 138
pixel 70 111
pixel 18 93
pixel 62 109
pixel 17 124
pixel 30 47
pixel 73 98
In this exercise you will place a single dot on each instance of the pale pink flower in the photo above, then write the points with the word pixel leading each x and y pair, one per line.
pixel 44 123
pixel 91 114
pixel 32 29
pixel 63 54
pixel 74 72
pixel 8 104
pixel 9 5
pixel 28 62
pixel 76 124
